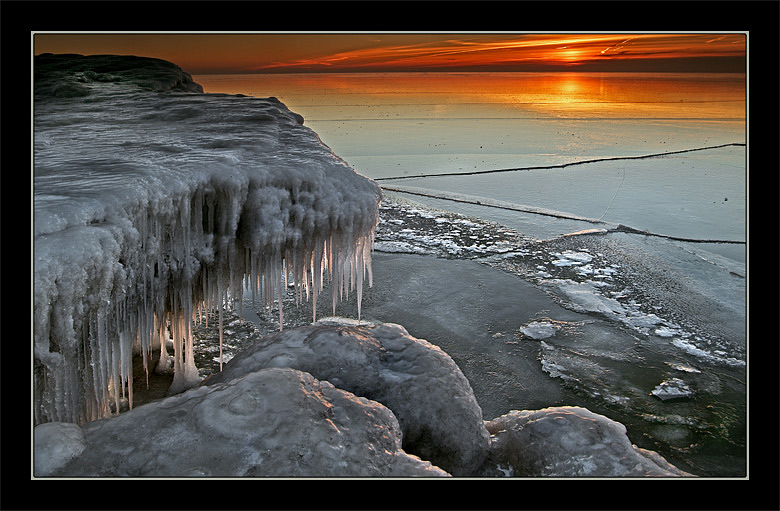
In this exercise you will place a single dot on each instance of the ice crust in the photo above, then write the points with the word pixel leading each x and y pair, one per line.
pixel 154 202
pixel 56 445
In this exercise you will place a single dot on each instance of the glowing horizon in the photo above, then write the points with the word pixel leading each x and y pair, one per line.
pixel 366 52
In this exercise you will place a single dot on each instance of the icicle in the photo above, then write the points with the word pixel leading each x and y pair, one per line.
pixel 116 381
pixel 315 284
pixel 204 279
pixel 99 384
pixel 359 290
pixel 161 331
pixel 278 270
pixel 281 308
pixel 220 327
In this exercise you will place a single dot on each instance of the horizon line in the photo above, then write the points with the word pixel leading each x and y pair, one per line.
pixel 714 65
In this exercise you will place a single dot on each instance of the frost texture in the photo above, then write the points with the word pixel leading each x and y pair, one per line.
pixel 154 203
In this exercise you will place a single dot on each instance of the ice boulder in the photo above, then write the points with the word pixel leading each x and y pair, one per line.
pixel 275 422
pixel 432 399
pixel 56 444
pixel 568 441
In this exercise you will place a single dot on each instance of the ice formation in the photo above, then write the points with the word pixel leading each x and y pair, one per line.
pixel 570 441
pixel 376 390
pixel 433 401
pixel 673 388
pixel 539 329
pixel 155 203
pixel 276 422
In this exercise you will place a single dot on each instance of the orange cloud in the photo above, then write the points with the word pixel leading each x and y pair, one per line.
pixel 522 51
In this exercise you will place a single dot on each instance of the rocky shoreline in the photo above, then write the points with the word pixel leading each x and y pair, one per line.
pixel 338 399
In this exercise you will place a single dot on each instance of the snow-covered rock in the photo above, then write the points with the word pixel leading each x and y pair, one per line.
pixel 275 422
pixel 432 399
pixel 568 441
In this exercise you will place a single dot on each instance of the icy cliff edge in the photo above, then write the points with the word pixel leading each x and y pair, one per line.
pixel 154 202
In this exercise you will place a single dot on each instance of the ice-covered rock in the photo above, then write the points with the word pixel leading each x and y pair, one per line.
pixel 262 417
pixel 155 202
pixel 432 399
pixel 568 442
pixel 275 422
pixel 56 444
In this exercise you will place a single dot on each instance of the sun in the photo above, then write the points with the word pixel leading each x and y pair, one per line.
pixel 569 55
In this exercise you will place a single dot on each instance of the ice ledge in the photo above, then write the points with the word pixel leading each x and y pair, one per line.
pixel 151 207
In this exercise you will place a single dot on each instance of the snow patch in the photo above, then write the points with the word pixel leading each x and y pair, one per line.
pixel 711 356
pixel 586 297
pixel 665 331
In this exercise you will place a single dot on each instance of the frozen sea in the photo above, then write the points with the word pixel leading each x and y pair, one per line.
pixel 585 247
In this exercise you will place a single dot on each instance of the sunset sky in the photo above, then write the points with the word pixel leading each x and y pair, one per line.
pixel 212 53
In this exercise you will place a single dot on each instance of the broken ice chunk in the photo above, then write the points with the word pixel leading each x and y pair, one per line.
pixel 539 329
pixel 673 388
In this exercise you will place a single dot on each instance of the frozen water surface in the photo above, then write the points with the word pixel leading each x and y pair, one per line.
pixel 604 332
pixel 401 125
